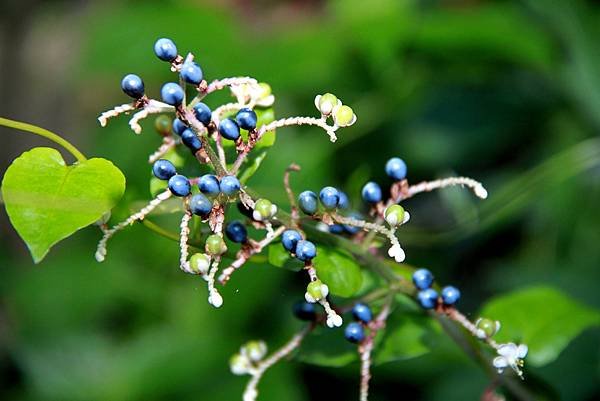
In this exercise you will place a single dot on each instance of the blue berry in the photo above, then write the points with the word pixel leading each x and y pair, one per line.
pixel 229 129
pixel 330 197
pixel 246 119
pixel 165 49
pixel 305 250
pixel 344 202
pixel 305 311
pixel 428 298
pixel 354 332
pixel 362 313
pixel 191 140
pixel 209 185
pixel 307 201
pixel 203 113
pixel 289 240
pixel 336 229
pixel 229 185
pixel 450 295
pixel 179 185
pixel 133 86
pixel 236 232
pixel 179 126
pixel 396 168
pixel 200 205
pixel 191 73
pixel 371 192
pixel 163 169
pixel 422 279
pixel 172 93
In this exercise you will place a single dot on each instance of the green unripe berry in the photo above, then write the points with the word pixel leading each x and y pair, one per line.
pixel 394 215
pixel 265 90
pixel 327 102
pixel 316 290
pixel 162 124
pixel 343 116
pixel 215 245
pixel 256 350
pixel 264 208
pixel 199 263
pixel 239 364
pixel 487 326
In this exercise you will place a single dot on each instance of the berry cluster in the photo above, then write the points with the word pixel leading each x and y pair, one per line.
pixel 428 297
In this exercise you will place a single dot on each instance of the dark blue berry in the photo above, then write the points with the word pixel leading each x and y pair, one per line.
pixel 362 313
pixel 229 185
pixel 305 311
pixel 179 185
pixel 163 169
pixel 450 295
pixel 172 93
pixel 330 197
pixel 203 113
pixel 428 298
pixel 209 185
pixel 422 279
pixel 165 49
pixel 336 229
pixel 179 126
pixel 191 140
pixel 133 86
pixel 229 129
pixel 191 73
pixel 305 250
pixel 236 232
pixel 396 168
pixel 200 205
pixel 307 201
pixel 246 119
pixel 354 332
pixel 289 240
pixel 344 202
pixel 371 192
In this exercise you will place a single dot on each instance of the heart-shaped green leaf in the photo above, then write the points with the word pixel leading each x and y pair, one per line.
pixel 47 201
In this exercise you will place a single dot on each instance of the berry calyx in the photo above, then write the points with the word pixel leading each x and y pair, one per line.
pixel 307 201
pixel 450 295
pixel 289 240
pixel 133 86
pixel 229 185
pixel 427 298
pixel 215 245
pixel 236 232
pixel 329 197
pixel 172 93
pixel 396 168
pixel 163 169
pixel 191 73
pixel 362 313
pixel 246 119
pixel 315 291
pixel 264 210
pixel 305 311
pixel 179 185
pixel 200 205
pixel 191 140
pixel 165 49
pixel 305 250
pixel 229 129
pixel 203 113
pixel 209 185
pixel 422 278
pixel 371 192
pixel 394 215
pixel 354 332
pixel 199 263
pixel 343 116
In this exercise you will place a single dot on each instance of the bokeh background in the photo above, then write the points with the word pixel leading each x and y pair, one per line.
pixel 489 89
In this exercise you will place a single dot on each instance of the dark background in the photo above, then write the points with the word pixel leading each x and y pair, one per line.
pixel 488 89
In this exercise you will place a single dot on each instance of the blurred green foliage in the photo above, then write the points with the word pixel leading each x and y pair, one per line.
pixel 505 91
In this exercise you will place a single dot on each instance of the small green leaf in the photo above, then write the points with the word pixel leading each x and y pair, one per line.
pixel 339 271
pixel 47 201
pixel 279 257
pixel 541 317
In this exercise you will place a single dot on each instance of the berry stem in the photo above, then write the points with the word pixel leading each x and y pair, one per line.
pixel 57 139
pixel 200 130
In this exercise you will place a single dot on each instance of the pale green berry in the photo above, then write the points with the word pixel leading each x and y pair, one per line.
pixel 215 245
pixel 256 350
pixel 343 116
pixel 265 90
pixel 199 263
pixel 264 208
pixel 317 290
pixel 162 124
pixel 327 102
pixel 394 215
pixel 239 364
pixel 487 326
